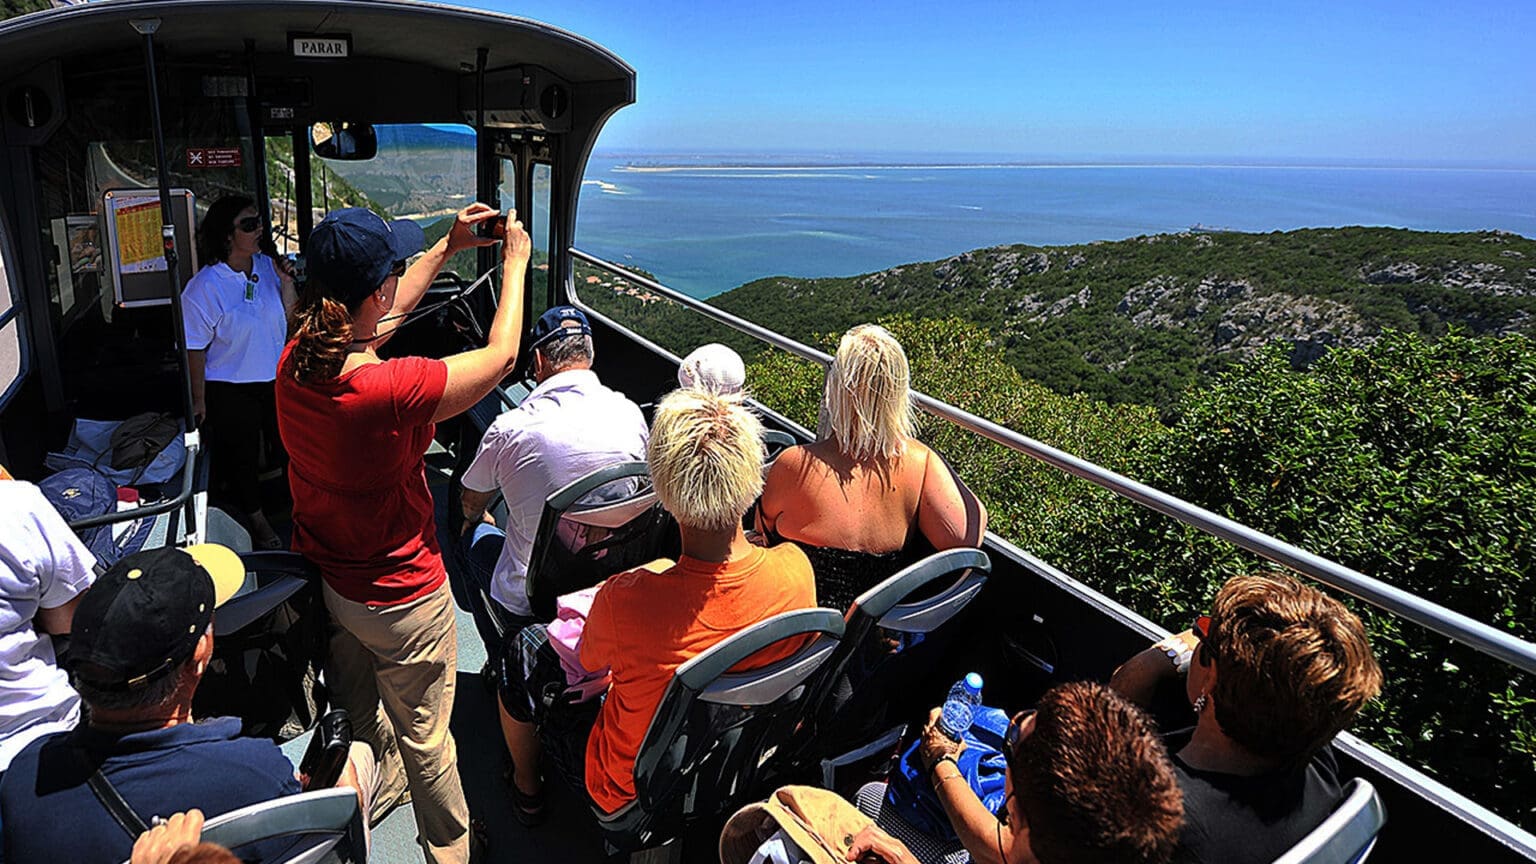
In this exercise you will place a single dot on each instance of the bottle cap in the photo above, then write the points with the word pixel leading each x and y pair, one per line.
pixel 973 682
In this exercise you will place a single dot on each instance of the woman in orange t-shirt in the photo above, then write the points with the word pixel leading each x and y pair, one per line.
pixel 706 459
pixel 867 498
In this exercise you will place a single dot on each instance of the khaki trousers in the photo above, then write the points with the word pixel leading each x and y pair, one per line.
pixel 393 669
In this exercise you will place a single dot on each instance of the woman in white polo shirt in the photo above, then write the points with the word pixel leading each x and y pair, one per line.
pixel 236 310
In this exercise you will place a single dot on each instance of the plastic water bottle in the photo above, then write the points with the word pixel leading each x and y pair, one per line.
pixel 960 708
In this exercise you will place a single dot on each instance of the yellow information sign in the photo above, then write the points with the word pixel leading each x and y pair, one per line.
pixel 139 247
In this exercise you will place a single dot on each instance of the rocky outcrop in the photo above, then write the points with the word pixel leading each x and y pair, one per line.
pixel 1166 303
pixel 1033 309
pixel 1481 278
pixel 1394 274
pixel 1311 324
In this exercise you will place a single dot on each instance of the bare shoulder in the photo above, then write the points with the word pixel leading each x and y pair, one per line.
pixel 785 469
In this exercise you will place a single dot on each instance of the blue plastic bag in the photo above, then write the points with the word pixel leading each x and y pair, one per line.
pixel 981 763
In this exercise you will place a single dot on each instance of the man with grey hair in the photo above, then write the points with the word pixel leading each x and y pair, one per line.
pixel 568 427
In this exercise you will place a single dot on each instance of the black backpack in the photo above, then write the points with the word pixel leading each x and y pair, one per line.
pixel 139 439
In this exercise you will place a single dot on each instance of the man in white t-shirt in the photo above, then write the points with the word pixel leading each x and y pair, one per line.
pixel 568 427
pixel 44 568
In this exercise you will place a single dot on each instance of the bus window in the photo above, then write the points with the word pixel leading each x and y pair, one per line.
pixel 112 360
pixel 12 368
pixel 285 219
pixel 539 232
pixel 423 171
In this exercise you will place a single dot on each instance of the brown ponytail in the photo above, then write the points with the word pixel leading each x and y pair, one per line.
pixel 322 333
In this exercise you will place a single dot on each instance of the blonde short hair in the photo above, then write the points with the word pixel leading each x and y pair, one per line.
pixel 706 458
pixel 867 404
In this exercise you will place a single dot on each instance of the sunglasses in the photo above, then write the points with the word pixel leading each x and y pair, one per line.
pixel 1202 631
pixel 1015 732
pixel 1011 739
pixel 250 224
pixel 398 270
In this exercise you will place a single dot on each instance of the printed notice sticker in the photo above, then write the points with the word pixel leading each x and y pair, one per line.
pixel 139 247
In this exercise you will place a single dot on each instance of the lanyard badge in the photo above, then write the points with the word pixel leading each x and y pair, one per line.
pixel 250 288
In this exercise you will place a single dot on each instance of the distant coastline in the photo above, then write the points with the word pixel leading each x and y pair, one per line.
pixel 679 167
pixel 705 223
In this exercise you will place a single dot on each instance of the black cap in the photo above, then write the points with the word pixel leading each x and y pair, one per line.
pixel 142 618
pixel 557 323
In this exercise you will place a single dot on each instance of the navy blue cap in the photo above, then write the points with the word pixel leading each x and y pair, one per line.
pixel 557 323
pixel 352 251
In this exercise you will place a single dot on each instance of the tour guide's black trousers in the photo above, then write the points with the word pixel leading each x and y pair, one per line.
pixel 239 415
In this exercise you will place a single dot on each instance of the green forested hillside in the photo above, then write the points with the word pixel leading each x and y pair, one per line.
pixel 1409 460
pixel 1142 320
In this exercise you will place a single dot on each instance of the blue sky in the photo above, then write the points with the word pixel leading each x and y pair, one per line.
pixel 1405 81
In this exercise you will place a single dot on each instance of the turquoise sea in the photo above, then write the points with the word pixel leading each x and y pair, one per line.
pixel 705 227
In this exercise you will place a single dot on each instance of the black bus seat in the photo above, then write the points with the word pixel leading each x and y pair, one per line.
pixel 326 825
pixel 716 732
pixel 776 441
pixel 268 650
pixel 1348 834
pixel 604 523
pixel 227 531
pixel 852 714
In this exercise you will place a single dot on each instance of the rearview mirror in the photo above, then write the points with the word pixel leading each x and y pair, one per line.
pixel 349 142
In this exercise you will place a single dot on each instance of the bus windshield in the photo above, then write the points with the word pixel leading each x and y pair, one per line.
pixel 424 172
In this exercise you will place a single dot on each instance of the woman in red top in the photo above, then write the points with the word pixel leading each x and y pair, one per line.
pixel 357 428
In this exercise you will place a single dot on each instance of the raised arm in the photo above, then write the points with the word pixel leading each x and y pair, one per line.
pixel 472 374
pixel 418 277
pixel 949 514
pixel 1139 678
pixel 286 288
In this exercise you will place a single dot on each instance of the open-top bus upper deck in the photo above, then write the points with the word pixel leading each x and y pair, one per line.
pixel 240 85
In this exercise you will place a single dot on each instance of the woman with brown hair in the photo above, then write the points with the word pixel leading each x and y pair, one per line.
pixel 236 309
pixel 867 497
pixel 357 428
pixel 1273 674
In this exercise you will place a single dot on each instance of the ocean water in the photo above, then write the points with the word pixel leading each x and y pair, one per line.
pixel 707 229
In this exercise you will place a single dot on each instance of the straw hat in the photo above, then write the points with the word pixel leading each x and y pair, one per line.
pixel 820 822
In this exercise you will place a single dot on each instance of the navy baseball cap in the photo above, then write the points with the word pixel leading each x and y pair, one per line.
pixel 557 323
pixel 142 618
pixel 352 251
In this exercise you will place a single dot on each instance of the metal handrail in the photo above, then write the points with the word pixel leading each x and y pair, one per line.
pixel 1432 616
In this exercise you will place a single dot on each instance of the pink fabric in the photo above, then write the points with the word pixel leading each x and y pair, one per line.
pixel 565 637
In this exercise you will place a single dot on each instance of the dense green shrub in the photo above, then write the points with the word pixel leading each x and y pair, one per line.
pixel 1412 462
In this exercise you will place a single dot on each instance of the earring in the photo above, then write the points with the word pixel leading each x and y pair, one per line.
pixel 1199 703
